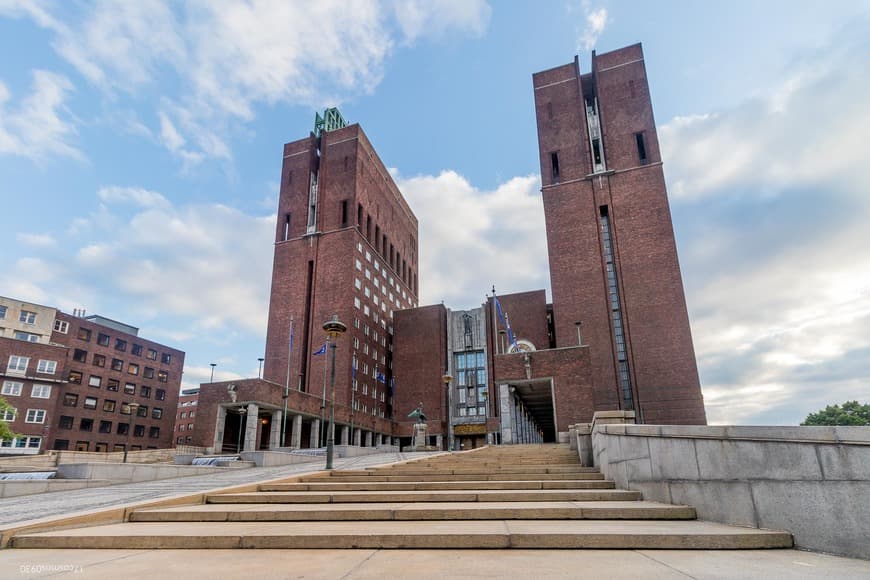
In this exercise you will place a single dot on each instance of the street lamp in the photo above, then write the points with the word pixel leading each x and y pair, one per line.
pixel 334 329
pixel 133 408
pixel 446 379
pixel 213 365
pixel 242 413
pixel 260 368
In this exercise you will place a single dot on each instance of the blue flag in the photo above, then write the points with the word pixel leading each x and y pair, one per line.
pixel 319 351
pixel 380 377
pixel 507 323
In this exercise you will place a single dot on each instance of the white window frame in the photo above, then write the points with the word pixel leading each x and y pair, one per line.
pixel 36 416
pixel 12 389
pixel 40 391
pixel 46 367
pixel 8 415
pixel 25 336
pixel 3 310
pixel 17 369
pixel 27 317
pixel 61 326
pixel 95 383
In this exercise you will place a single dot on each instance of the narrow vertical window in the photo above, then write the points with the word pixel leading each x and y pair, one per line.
pixel 596 152
pixel 641 147
pixel 287 226
pixel 377 238
pixel 384 245
pixel 368 227
pixel 359 214
pixel 624 376
pixel 343 213
pixel 554 163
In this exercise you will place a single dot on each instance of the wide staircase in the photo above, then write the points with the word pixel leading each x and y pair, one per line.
pixel 523 496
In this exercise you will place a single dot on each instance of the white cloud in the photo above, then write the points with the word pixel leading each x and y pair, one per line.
pixel 775 256
pixel 471 239
pixel 134 195
pixel 594 22
pixel 222 59
pixel 418 18
pixel 36 240
pixel 40 126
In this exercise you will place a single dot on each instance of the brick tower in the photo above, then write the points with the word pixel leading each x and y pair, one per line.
pixel 345 244
pixel 613 260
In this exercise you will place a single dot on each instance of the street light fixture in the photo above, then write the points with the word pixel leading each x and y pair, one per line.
pixel 334 329
pixel 133 408
pixel 213 365
pixel 260 367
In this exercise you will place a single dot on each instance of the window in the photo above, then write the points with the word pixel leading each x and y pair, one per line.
pixel 75 377
pixel 99 360
pixel 17 365
pixel 61 326
pixel 2 312
pixel 70 400
pixel 123 428
pixel 103 339
pixel 80 355
pixel 84 334
pixel 27 317
pixel 157 413
pixel 41 392
pixel 142 411
pixel 160 395
pixel 35 416
pixel 86 425
pixel 61 444
pixel 181 428
pixel 109 406
pixel 112 385
pixel 95 381
pixel 117 364
pixel 179 441
pixel 145 391
pixel 120 345
pixel 554 165
pixel 641 147
pixel 139 431
pixel 154 432
pixel 7 415
pixel 166 358
pixel 132 369
pixel 137 350
pixel 90 403
pixel 66 422
pixel 343 213
pixel 12 388
pixel 129 388
pixel 151 354
pixel 125 408
pixel 148 373
pixel 163 377
pixel 26 336
pixel 105 426
pixel 356 302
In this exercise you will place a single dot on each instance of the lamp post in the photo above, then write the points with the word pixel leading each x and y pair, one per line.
pixel 242 413
pixel 133 408
pixel 212 365
pixel 334 329
pixel 260 367
pixel 446 379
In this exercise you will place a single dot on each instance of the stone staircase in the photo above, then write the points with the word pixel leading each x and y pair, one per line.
pixel 524 496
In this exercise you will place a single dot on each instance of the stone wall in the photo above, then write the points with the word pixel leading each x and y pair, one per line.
pixel 811 481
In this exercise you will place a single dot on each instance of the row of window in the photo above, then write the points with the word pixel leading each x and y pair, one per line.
pixel 380 243
pixel 87 424
pixel 94 381
pixel 22 442
pixel 103 339
pixel 72 400
pixel 32 416
pixel 100 447
pixel 14 388
pixel 17 365
pixel 99 360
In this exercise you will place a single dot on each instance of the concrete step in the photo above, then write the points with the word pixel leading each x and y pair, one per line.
pixel 615 510
pixel 629 534
pixel 436 476
pixel 435 485
pixel 482 469
pixel 426 496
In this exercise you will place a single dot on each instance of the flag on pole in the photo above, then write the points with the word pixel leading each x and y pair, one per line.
pixel 381 378
pixel 320 351
pixel 353 369
pixel 506 322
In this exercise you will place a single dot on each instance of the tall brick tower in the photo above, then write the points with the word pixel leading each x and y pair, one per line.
pixel 345 244
pixel 613 260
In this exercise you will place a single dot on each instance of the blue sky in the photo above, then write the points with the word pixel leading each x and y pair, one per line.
pixel 140 149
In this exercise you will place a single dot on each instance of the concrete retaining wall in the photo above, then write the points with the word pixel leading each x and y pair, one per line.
pixel 15 488
pixel 812 481
pixel 130 472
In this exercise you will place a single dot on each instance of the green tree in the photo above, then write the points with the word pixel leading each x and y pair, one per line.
pixel 850 413
pixel 5 431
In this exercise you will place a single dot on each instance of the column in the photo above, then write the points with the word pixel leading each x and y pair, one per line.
pixel 315 433
pixel 438 441
pixel 252 423
pixel 275 432
pixel 296 432
pixel 219 425
pixel 357 437
pixel 345 434
pixel 368 438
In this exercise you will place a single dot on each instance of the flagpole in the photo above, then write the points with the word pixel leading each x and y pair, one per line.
pixel 287 387
pixel 353 386
pixel 323 399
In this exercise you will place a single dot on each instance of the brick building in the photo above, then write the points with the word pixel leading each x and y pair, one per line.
pixel 516 369
pixel 185 416
pixel 73 378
